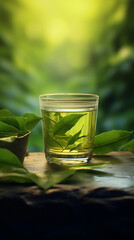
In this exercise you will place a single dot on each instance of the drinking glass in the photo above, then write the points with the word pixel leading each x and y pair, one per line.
pixel 68 125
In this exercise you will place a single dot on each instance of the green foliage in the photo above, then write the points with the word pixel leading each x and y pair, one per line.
pixel 66 123
pixel 9 159
pixel 93 54
pixel 30 120
pixel 8 130
pixel 49 178
pixel 16 126
pixel 73 138
pixel 109 141
pixel 10 121
pixel 128 146
pixel 56 131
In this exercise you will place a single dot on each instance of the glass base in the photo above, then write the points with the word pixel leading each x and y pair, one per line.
pixel 74 159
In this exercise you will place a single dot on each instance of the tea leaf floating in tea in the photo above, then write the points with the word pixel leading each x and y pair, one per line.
pixel 73 138
pixel 78 146
pixel 66 123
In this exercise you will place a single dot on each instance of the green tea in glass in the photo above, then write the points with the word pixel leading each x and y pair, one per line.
pixel 68 124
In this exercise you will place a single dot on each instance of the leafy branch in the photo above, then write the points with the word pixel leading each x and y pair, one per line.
pixel 11 125
pixel 113 140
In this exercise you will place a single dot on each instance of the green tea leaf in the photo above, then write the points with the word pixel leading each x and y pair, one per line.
pixel 27 121
pixel 74 138
pixel 30 120
pixel 88 144
pixel 66 123
pixel 78 146
pixel 11 125
pixel 8 130
pixel 110 141
pixel 9 158
pixel 52 140
pixel 8 139
pixel 13 174
pixel 21 122
pixel 48 178
pixel 45 116
pixel 58 114
pixel 83 136
pixel 10 121
pixel 44 180
pixel 128 146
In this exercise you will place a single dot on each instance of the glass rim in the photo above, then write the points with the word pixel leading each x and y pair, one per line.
pixel 69 96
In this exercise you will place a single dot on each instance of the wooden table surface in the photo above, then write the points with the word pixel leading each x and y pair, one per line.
pixel 119 173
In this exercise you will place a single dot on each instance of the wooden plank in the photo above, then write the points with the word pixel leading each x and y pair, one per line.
pixel 35 162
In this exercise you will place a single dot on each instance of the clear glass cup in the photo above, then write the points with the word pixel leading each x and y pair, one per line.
pixel 68 125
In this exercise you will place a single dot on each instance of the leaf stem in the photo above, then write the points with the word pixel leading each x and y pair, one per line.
pixel 50 119
pixel 56 142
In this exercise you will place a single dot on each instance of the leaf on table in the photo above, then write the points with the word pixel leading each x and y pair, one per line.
pixel 12 170
pixel 10 173
pixel 66 123
pixel 128 146
pixel 48 178
pixel 9 158
pixel 110 141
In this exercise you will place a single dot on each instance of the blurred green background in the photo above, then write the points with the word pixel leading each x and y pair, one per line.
pixel 76 46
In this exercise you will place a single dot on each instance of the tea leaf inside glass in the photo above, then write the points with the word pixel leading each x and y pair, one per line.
pixel 69 133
